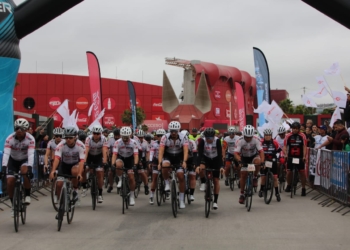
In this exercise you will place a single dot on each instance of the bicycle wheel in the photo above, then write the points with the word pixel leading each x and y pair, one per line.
pixel 105 179
pixel 124 194
pixel 93 192
pixel 174 198
pixel 23 208
pixel 159 190
pixel 231 179
pixel 249 197
pixel 53 193
pixel 16 207
pixel 268 192
pixel 61 209
pixel 208 192
pixel 137 183
pixel 188 191
pixel 70 208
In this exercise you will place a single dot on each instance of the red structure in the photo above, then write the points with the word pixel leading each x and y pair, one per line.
pixel 43 93
pixel 279 95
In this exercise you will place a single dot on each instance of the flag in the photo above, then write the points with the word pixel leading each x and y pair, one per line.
pixel 285 125
pixel 97 120
pixel 240 106
pixel 333 70
pixel 95 83
pixel 262 108
pixel 308 102
pixel 90 109
pixel 132 97
pixel 63 109
pixel 339 98
pixel 262 77
pixel 335 116
pixel 274 113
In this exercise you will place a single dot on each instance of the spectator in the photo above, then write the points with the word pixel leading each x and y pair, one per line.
pixel 340 128
pixel 309 138
pixel 309 123
pixel 44 141
pixel 345 141
pixel 314 130
pixel 302 128
pixel 322 139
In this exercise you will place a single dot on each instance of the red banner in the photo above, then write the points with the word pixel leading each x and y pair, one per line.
pixel 154 125
pixel 239 96
pixel 95 85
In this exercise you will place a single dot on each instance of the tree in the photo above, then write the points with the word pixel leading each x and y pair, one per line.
pixel 140 116
pixel 287 106
pixel 327 111
pixel 303 110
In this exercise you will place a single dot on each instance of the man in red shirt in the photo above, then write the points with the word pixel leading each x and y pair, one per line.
pixel 340 128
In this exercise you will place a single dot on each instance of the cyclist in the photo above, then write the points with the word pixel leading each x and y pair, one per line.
pixel 82 137
pixel 125 154
pixel 111 172
pixel 248 150
pixel 192 159
pixel 70 157
pixel 96 153
pixel 154 162
pixel 105 132
pixel 143 158
pixel 194 136
pixel 295 148
pixel 210 156
pixel 271 149
pixel 174 150
pixel 281 135
pixel 19 155
pixel 51 147
pixel 228 147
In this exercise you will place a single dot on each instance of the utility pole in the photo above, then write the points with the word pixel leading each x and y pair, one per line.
pixel 304 89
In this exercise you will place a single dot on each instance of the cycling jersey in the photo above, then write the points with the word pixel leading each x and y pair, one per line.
pixel 230 143
pixel 280 141
pixel 271 148
pixel 295 144
pixel 154 150
pixel 137 140
pixel 192 148
pixel 95 148
pixel 70 155
pixel 210 154
pixel 172 147
pixel 111 142
pixel 145 148
pixel 19 150
pixel 52 145
pixel 248 149
pixel 125 150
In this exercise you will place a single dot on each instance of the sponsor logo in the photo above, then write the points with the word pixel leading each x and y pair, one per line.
pixel 83 119
pixel 157 104
pixel 55 103
pixel 5 7
pixel 217 94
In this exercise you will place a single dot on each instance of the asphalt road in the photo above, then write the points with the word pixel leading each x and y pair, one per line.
pixel 298 223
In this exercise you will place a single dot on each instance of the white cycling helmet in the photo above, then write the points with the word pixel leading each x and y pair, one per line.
pixel 174 125
pixel 160 132
pixel 58 131
pixel 97 129
pixel 21 122
pixel 125 131
pixel 70 131
pixel 281 130
pixel 140 133
pixel 231 130
pixel 267 131
pixel 248 131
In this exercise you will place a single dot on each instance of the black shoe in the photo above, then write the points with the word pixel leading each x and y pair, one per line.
pixel 226 182
pixel 278 197
pixel 288 189
pixel 109 189
pixel 146 190
pixel 303 192
pixel 260 193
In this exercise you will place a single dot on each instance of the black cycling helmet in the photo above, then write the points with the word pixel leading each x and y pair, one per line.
pixel 116 131
pixel 194 130
pixel 209 132
pixel 147 137
pixel 295 125
pixel 82 136
pixel 105 131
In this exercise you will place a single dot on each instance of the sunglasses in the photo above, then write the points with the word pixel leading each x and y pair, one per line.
pixel 58 136
pixel 125 137
pixel 174 131
pixel 69 137
pixel 209 138
pixel 21 128
pixel 96 133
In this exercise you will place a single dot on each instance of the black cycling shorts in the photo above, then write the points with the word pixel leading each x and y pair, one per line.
pixel 212 163
pixel 66 168
pixel 94 159
pixel 300 166
pixel 273 169
pixel 174 159
pixel 128 161
pixel 14 166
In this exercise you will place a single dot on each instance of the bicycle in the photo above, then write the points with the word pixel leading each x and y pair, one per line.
pixel 105 177
pixel 138 182
pixel 160 189
pixel 248 189
pixel 67 201
pixel 187 187
pixel 92 179
pixel 125 189
pixel 209 192
pixel 295 176
pixel 282 177
pixel 269 183
pixel 233 176
pixel 53 193
pixel 174 190
pixel 19 206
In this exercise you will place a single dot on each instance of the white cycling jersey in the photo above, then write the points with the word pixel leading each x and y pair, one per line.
pixel 70 155
pixel 111 142
pixel 127 149
pixel 52 145
pixel 210 149
pixel 19 150
pixel 171 146
pixel 138 142
pixel 248 149
pixel 145 148
pixel 280 141
pixel 192 146
pixel 154 150
pixel 231 143
pixel 95 148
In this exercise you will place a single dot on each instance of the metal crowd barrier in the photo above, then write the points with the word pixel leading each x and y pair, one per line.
pixel 330 176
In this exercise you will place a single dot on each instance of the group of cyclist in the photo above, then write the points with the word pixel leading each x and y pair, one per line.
pixel 74 153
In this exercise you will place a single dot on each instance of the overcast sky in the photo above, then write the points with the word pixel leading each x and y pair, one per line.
pixel 132 38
